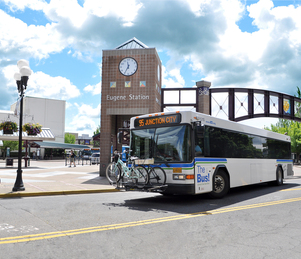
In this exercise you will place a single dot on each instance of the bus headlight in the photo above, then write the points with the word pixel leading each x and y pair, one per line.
pixel 179 177
pixel 183 177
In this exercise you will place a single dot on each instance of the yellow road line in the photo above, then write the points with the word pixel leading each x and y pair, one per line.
pixel 35 237
pixel 294 189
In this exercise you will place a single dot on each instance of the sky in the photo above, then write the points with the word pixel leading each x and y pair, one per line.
pixel 231 43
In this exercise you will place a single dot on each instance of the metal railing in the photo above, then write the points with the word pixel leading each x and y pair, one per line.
pixel 78 161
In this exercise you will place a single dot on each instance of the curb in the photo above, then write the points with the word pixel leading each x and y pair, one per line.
pixel 33 194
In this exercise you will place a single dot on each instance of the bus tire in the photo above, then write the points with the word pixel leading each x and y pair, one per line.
pixel 221 185
pixel 279 176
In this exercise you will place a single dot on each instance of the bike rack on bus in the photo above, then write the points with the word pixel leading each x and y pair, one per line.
pixel 131 186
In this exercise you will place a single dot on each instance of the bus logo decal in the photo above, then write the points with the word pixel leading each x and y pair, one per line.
pixel 202 177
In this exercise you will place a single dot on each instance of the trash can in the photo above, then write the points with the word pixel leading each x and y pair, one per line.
pixel 9 161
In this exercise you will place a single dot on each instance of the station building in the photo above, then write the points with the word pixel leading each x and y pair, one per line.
pixel 49 113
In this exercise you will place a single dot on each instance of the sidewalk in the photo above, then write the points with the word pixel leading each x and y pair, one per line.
pixel 52 177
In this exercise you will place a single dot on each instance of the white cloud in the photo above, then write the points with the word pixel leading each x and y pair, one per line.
pixel 43 85
pixel 21 4
pixel 261 13
pixel 84 120
pixel 19 39
pixel 82 124
pixel 126 10
pixel 89 111
pixel 58 10
pixel 197 6
pixel 94 89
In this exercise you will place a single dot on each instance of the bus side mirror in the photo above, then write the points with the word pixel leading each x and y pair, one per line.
pixel 119 137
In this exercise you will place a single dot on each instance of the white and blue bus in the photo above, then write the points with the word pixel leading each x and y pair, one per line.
pixel 203 154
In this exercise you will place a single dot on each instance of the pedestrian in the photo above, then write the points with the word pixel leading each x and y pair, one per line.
pixel 72 158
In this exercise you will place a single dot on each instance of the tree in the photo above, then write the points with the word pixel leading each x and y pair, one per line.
pixel 69 138
pixel 97 130
pixel 295 133
pixel 13 145
pixel 291 128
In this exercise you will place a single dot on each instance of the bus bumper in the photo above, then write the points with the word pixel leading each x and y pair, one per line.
pixel 180 189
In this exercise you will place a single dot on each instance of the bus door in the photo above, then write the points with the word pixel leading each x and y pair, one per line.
pixel 203 169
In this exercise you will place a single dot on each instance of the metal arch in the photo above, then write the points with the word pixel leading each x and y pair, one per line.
pixel 289 107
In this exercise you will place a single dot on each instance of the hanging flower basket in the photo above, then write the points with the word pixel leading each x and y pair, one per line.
pixel 32 129
pixel 8 127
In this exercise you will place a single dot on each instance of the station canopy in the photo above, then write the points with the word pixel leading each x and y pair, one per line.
pixel 43 140
pixel 52 144
pixel 46 134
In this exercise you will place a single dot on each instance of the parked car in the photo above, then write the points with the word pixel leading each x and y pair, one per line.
pixel 95 158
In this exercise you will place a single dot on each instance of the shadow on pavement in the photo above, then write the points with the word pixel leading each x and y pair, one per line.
pixel 187 204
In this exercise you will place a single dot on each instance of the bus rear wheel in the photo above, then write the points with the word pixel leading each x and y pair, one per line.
pixel 279 177
pixel 221 185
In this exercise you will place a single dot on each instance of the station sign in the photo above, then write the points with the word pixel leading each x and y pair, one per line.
pixel 162 120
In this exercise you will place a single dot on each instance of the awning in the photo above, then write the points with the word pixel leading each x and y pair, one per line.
pixel 52 144
pixel 46 134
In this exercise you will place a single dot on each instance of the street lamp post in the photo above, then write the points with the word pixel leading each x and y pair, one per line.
pixel 21 80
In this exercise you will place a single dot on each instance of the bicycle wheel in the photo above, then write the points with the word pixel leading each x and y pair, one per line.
pixel 157 176
pixel 113 173
pixel 142 175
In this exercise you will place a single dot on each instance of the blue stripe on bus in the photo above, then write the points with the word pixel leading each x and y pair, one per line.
pixel 284 161
pixel 211 160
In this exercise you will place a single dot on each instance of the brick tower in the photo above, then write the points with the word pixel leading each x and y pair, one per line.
pixel 131 85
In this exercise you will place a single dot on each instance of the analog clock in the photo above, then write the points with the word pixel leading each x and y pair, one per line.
pixel 128 66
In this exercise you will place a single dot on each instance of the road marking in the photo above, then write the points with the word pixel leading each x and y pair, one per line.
pixel 294 189
pixel 42 236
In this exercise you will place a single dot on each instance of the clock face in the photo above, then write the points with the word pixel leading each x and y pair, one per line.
pixel 128 66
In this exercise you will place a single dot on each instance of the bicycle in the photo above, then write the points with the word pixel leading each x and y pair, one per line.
pixel 156 174
pixel 117 170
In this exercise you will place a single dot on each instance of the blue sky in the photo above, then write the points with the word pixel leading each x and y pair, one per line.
pixel 231 43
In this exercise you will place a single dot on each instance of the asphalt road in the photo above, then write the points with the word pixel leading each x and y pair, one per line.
pixel 253 222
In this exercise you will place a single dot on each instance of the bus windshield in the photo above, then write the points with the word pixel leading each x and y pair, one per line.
pixel 165 144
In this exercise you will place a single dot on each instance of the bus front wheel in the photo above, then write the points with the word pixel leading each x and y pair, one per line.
pixel 221 185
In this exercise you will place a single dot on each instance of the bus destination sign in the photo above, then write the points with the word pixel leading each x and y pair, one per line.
pixel 163 120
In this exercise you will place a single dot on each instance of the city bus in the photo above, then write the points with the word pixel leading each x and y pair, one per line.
pixel 204 154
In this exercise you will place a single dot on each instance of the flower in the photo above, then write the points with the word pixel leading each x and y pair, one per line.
pixel 32 129
pixel 9 125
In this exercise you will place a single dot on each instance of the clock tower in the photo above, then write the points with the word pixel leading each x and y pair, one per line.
pixel 131 86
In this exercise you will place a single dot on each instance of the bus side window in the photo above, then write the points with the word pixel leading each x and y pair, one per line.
pixel 199 140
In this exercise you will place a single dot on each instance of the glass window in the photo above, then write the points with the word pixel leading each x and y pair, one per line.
pixel 224 143
pixel 142 142
pixel 199 140
pixel 173 144
pixel 169 144
pixel 278 149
